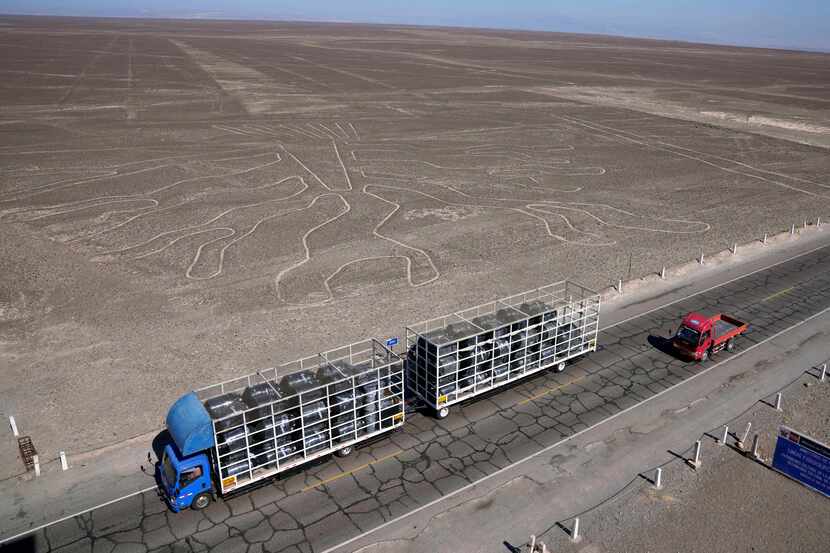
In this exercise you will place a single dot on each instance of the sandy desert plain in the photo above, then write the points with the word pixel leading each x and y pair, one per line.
pixel 182 202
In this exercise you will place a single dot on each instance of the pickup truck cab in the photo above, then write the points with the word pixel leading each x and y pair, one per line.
pixel 700 336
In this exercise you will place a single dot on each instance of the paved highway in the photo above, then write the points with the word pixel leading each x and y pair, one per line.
pixel 339 499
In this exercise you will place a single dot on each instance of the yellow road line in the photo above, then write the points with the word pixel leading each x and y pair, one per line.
pixel 781 293
pixel 549 390
pixel 350 472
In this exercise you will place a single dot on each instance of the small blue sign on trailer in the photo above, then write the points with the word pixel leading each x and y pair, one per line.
pixel 803 459
pixel 392 342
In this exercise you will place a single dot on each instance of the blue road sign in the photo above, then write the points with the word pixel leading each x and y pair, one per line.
pixel 803 459
pixel 392 342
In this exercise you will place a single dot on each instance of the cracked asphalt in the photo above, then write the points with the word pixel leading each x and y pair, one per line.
pixel 337 499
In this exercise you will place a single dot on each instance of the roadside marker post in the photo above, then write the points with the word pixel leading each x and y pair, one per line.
pixel 725 435
pixel 658 479
pixel 64 462
pixel 36 462
pixel 701 257
pixel 663 273
pixel 696 462
pixel 575 537
pixel 764 241
pixel 619 286
pixel 734 248
pixel 756 442
pixel 13 425
pixel 745 436
pixel 823 372
pixel 818 222
pixel 778 402
pixel 792 230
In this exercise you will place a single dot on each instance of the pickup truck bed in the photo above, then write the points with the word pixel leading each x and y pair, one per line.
pixel 726 327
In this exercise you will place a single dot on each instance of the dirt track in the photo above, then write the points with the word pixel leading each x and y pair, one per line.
pixel 183 201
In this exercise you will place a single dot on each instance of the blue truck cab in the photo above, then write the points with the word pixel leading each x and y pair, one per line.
pixel 185 471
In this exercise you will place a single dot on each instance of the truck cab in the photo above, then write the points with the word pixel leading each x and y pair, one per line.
pixel 184 472
pixel 185 481
pixel 699 335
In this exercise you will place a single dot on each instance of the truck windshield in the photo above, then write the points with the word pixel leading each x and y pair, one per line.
pixel 688 335
pixel 168 470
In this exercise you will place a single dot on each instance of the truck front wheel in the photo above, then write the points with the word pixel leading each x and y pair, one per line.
pixel 730 345
pixel 704 357
pixel 201 501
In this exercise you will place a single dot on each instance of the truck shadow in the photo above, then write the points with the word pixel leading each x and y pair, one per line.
pixel 665 346
pixel 161 440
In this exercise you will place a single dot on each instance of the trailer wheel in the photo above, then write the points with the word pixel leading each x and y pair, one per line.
pixel 442 412
pixel 345 452
pixel 704 357
pixel 201 501
pixel 730 345
pixel 559 367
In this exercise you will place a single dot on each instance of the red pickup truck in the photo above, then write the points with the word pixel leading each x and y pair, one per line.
pixel 699 336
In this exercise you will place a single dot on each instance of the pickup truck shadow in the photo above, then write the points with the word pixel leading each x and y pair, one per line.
pixel 664 345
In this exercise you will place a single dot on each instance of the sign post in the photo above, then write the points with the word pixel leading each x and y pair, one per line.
pixel 803 459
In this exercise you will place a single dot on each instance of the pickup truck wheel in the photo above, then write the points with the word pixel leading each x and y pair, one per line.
pixel 730 345
pixel 345 452
pixel 559 367
pixel 201 501
pixel 704 357
pixel 442 412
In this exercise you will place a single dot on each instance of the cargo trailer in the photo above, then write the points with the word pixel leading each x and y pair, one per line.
pixel 456 357
pixel 233 434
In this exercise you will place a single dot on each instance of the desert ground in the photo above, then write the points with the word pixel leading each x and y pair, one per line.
pixel 182 202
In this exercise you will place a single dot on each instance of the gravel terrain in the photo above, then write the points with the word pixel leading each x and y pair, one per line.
pixel 182 202
pixel 730 504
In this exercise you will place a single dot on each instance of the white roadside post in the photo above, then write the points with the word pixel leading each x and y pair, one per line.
pixel 701 256
pixel 36 461
pixel 658 479
pixel 532 543
pixel 13 426
pixel 818 223
pixel 696 462
pixel 741 442
pixel 764 241
pixel 792 230
pixel 619 286
pixel 734 248
pixel 823 372
pixel 778 402
pixel 755 445
pixel 64 462
pixel 725 435
pixel 575 537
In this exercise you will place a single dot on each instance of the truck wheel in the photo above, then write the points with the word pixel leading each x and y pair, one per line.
pixel 201 501
pixel 442 412
pixel 559 367
pixel 704 357
pixel 730 345
pixel 345 452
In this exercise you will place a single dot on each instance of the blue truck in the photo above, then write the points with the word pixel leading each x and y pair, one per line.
pixel 228 436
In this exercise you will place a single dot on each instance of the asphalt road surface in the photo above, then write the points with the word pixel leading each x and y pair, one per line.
pixel 338 499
